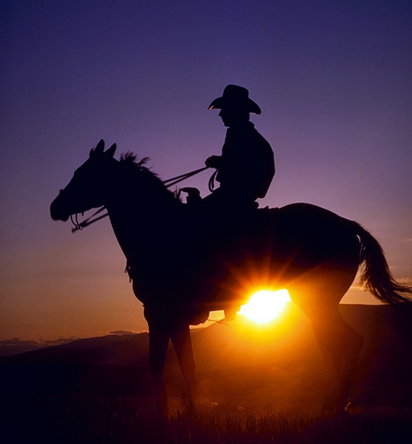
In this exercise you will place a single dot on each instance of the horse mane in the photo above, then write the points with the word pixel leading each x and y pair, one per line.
pixel 130 159
pixel 130 162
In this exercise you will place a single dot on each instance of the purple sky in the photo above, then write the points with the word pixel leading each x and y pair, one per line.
pixel 333 80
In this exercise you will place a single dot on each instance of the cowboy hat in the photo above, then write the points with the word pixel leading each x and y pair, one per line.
pixel 235 96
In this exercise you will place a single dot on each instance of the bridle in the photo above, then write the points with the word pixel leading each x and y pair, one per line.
pixel 168 183
pixel 80 225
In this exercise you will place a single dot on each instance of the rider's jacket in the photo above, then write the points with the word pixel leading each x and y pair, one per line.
pixel 247 165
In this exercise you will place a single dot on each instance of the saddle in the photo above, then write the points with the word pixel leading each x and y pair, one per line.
pixel 216 221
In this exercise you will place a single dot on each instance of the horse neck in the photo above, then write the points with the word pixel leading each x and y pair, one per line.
pixel 140 212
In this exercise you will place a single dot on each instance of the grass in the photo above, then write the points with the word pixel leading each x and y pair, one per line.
pixel 110 419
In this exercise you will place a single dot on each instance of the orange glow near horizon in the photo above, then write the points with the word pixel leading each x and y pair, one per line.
pixel 265 305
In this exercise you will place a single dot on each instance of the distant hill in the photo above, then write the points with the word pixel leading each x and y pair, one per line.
pixel 277 361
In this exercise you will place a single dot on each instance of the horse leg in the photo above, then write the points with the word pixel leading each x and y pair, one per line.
pixel 182 343
pixel 339 343
pixel 158 343
pixel 340 346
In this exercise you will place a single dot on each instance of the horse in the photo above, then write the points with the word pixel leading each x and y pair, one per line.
pixel 180 274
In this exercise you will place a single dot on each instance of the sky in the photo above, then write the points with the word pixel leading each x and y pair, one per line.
pixel 333 80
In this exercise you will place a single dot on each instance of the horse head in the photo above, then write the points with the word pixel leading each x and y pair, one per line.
pixel 89 185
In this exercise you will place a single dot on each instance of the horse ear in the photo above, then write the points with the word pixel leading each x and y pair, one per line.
pixel 110 152
pixel 99 147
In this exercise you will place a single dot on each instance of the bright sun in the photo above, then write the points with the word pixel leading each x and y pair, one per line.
pixel 265 305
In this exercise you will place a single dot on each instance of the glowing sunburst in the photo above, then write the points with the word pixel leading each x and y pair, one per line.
pixel 265 305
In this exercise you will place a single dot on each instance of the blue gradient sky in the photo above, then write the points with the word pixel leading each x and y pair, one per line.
pixel 333 79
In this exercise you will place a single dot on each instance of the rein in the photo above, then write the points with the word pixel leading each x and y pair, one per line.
pixel 80 225
pixel 174 180
pixel 168 183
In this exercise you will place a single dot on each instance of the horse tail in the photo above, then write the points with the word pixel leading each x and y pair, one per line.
pixel 375 275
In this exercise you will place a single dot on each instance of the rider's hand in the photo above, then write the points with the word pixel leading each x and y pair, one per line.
pixel 213 162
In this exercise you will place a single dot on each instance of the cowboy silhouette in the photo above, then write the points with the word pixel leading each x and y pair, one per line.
pixel 244 171
pixel 246 166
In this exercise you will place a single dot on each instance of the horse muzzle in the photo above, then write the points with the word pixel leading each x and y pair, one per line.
pixel 57 211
